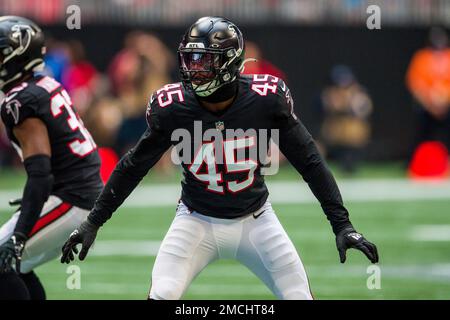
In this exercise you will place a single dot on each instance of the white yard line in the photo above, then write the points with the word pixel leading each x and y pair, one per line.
pixel 431 232
pixel 293 192
pixel 148 249
pixel 125 248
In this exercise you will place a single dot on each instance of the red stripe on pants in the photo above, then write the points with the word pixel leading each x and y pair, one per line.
pixel 50 217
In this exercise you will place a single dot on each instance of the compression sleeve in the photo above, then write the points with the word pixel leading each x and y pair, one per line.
pixel 299 148
pixel 36 192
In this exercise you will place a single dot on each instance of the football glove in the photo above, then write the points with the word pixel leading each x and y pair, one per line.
pixel 11 250
pixel 349 238
pixel 15 202
pixel 84 234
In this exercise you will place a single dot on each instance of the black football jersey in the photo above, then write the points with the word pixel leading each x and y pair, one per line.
pixel 75 160
pixel 223 177
pixel 224 155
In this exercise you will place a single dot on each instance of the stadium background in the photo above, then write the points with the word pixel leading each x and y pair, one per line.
pixel 408 219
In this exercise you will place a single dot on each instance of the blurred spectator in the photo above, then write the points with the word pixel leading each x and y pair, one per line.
pixel 56 59
pixel 103 120
pixel 80 79
pixel 428 79
pixel 261 65
pixel 345 108
pixel 141 67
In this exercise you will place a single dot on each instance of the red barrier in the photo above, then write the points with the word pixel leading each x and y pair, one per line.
pixel 109 160
pixel 430 160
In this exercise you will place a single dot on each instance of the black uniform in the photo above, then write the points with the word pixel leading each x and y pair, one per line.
pixel 224 190
pixel 74 159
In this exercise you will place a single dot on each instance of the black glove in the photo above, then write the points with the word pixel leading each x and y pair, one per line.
pixel 349 238
pixel 12 250
pixel 15 202
pixel 85 234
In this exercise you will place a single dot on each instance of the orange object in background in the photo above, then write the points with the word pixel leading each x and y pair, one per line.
pixel 430 161
pixel 109 160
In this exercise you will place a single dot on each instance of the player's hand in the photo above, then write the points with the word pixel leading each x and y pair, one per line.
pixel 11 251
pixel 84 234
pixel 15 202
pixel 349 238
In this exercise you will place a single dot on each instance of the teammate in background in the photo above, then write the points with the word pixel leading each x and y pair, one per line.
pixel 58 154
pixel 223 211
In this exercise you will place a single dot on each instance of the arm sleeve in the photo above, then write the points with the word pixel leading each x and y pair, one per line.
pixel 130 170
pixel 299 148
pixel 36 192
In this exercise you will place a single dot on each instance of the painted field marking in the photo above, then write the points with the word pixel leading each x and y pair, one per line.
pixel 431 232
pixel 285 192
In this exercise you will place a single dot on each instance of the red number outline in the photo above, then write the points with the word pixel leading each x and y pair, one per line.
pixel 262 85
pixel 168 91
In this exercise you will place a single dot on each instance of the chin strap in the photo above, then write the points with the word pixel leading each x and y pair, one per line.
pixel 223 93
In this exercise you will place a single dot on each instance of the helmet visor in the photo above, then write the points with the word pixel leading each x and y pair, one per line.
pixel 201 67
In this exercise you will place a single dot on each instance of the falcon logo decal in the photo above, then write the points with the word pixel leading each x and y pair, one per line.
pixel 12 108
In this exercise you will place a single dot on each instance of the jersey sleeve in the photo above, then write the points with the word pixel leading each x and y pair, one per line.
pixel 284 115
pixel 153 116
pixel 158 118
pixel 19 106
pixel 297 144
pixel 133 166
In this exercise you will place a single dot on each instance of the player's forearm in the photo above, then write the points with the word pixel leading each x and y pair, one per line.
pixel 119 186
pixel 325 189
pixel 300 149
pixel 126 176
pixel 36 192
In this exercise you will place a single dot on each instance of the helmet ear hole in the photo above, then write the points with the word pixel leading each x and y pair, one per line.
pixel 226 77
pixel 231 53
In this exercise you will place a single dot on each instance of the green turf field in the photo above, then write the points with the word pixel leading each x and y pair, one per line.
pixel 411 267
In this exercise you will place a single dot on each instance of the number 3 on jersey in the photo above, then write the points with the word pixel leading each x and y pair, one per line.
pixel 80 148
pixel 212 177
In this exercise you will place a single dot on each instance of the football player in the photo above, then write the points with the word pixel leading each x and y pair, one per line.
pixel 58 154
pixel 224 210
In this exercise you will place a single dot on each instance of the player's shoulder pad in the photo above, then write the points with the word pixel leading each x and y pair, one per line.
pixel 45 86
pixel 28 98
pixel 266 85
pixel 168 96
pixel 284 94
pixel 19 103
pixel 163 101
pixel 284 103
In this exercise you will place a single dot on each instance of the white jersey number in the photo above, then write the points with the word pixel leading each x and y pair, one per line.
pixel 61 101
pixel 212 177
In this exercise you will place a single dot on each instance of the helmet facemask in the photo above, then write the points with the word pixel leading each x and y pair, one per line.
pixel 206 70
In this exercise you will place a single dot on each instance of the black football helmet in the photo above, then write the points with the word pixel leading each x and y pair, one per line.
pixel 22 49
pixel 211 54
